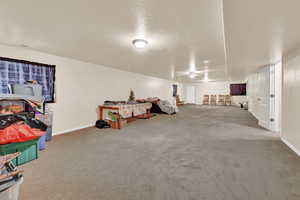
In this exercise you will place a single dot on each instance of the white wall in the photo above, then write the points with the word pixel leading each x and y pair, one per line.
pixel 214 88
pixel 290 100
pixel 81 87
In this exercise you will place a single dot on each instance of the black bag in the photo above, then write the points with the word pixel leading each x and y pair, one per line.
pixel 102 124
pixel 28 118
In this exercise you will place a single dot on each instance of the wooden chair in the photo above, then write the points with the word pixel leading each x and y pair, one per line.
pixel 213 99
pixel 221 99
pixel 227 100
pixel 206 99
pixel 178 101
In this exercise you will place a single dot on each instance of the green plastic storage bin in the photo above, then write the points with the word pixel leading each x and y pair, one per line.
pixel 29 150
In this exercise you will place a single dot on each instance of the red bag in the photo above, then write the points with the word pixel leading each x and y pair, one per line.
pixel 19 132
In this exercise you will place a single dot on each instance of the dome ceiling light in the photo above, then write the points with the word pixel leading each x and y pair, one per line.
pixel 192 75
pixel 140 43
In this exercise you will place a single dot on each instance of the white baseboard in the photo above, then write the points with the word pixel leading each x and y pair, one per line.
pixel 264 125
pixel 291 146
pixel 73 129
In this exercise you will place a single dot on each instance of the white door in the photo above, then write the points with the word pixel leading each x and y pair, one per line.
pixel 272 116
pixel 191 94
pixel 263 97
pixel 275 97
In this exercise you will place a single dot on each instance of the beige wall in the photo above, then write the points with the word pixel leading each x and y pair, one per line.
pixel 291 100
pixel 215 88
pixel 81 87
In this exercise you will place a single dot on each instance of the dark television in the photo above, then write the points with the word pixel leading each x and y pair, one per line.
pixel 239 89
pixel 175 90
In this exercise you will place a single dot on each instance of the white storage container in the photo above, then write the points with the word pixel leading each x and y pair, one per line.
pixel 12 193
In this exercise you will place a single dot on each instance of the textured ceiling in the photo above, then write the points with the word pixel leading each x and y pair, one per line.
pixel 235 37
pixel 259 32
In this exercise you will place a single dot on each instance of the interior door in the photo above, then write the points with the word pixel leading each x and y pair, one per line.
pixel 275 97
pixel 263 97
pixel 191 94
pixel 272 124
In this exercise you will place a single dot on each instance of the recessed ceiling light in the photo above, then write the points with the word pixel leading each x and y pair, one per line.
pixel 140 43
pixel 206 61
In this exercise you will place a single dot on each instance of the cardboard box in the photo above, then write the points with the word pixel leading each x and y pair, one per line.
pixel 118 124
pixel 123 123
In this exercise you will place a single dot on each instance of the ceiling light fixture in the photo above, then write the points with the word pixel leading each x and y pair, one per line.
pixel 192 75
pixel 205 77
pixel 140 43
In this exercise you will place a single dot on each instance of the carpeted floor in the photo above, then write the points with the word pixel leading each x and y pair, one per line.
pixel 202 153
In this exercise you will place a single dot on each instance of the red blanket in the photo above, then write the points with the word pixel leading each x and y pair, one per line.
pixel 19 132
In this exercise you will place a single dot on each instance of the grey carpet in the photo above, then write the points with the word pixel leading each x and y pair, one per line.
pixel 202 153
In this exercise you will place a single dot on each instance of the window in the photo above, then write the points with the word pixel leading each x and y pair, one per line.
pixel 14 71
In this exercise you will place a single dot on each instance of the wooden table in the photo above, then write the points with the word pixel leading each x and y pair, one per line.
pixel 125 111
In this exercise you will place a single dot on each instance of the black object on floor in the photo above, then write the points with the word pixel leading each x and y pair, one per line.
pixel 102 124
pixel 156 109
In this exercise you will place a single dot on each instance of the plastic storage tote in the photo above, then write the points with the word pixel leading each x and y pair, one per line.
pixel 46 118
pixel 29 150
pixel 42 142
pixel 12 192
pixel 49 134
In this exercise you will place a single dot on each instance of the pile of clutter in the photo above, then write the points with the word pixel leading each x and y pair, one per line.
pixel 10 177
pixel 160 106
pixel 17 119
